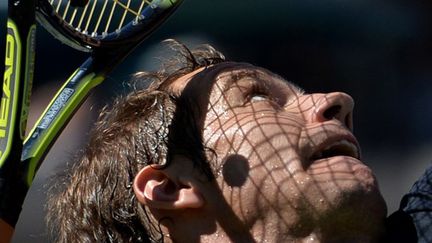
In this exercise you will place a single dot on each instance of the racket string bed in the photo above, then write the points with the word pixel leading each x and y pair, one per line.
pixel 98 18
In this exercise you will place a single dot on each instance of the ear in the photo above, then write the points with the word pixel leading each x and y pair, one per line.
pixel 154 187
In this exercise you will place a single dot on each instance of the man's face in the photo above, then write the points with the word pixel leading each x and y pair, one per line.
pixel 284 159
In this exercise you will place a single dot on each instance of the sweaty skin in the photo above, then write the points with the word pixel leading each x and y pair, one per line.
pixel 287 166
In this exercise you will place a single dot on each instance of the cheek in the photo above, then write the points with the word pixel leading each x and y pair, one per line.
pixel 269 142
pixel 257 191
pixel 255 127
pixel 235 170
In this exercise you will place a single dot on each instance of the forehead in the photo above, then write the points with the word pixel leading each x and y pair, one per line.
pixel 226 75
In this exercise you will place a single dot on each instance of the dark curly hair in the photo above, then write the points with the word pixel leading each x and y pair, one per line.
pixel 94 201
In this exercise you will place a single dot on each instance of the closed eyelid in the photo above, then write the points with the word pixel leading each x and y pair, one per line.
pixel 259 88
pixel 256 80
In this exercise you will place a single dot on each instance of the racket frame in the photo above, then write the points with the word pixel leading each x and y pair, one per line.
pixel 23 158
pixel 17 82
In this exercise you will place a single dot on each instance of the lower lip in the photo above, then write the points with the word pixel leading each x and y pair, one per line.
pixel 343 168
pixel 338 164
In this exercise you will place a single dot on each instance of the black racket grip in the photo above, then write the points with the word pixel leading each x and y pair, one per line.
pixel 13 190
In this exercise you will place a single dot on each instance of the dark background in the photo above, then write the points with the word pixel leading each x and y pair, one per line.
pixel 378 51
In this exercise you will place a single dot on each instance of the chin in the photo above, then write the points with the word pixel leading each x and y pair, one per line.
pixel 358 214
pixel 359 208
pixel 353 201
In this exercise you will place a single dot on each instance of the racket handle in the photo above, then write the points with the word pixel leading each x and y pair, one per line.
pixel 13 192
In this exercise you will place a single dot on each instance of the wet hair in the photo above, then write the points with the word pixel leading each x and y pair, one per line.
pixel 94 200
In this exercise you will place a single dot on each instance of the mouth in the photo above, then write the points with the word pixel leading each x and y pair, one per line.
pixel 341 147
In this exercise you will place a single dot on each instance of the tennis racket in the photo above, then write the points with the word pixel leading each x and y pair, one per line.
pixel 107 29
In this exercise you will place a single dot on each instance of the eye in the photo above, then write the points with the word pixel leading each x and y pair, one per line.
pixel 259 97
pixel 258 92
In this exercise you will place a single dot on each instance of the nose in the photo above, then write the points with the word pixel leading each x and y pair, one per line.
pixel 336 105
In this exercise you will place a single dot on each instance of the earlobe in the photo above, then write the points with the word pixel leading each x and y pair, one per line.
pixel 154 188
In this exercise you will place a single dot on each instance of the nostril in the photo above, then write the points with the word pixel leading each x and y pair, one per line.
pixel 332 112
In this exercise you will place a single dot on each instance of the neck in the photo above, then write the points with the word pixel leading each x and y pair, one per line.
pixel 318 237
pixel 314 237
pixel 267 230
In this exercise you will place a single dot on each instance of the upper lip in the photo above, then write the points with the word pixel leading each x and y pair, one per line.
pixel 340 146
pixel 332 142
